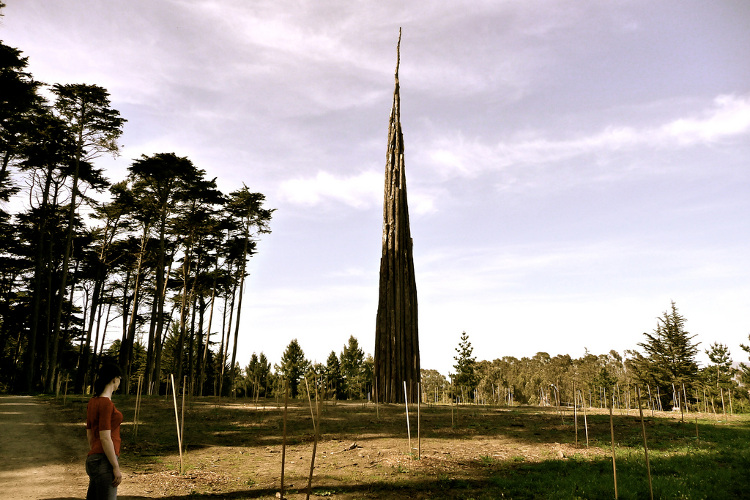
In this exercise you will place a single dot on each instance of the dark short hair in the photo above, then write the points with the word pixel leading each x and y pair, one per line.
pixel 107 373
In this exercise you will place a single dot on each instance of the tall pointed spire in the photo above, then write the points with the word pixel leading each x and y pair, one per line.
pixel 396 329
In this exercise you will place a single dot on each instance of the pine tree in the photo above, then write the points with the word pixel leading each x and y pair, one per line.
pixel 334 380
pixel 352 360
pixel 669 354
pixel 293 366
pixel 720 372
pixel 465 378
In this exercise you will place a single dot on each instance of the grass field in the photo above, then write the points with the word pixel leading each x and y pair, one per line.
pixel 234 448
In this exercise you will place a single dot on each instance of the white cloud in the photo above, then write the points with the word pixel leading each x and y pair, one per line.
pixel 728 117
pixel 362 192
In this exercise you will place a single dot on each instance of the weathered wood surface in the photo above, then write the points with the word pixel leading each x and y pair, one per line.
pixel 396 331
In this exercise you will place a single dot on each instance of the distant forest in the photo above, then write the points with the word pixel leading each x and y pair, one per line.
pixel 663 371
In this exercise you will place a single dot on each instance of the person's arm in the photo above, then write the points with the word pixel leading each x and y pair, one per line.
pixel 90 437
pixel 109 449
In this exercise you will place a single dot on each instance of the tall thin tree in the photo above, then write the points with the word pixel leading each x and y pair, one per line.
pixel 95 127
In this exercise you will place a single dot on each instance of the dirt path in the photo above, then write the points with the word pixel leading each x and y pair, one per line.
pixel 40 456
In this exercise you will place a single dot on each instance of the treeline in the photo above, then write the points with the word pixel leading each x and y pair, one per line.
pixel 664 368
pixel 347 375
pixel 161 261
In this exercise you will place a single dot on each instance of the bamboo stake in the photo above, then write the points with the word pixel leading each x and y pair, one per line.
pixel 65 396
pixel 182 424
pixel 316 430
pixel 419 421
pixel 406 404
pixel 283 439
pixel 137 407
pixel 645 445
pixel 723 406
pixel 177 420
pixel 585 421
pixel 575 412
pixel 612 434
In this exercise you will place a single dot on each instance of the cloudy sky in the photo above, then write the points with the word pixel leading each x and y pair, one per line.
pixel 572 166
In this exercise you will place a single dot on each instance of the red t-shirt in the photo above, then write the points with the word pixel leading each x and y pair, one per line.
pixel 101 415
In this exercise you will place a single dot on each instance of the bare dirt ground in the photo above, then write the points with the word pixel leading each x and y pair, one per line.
pixel 42 457
pixel 233 449
pixel 43 448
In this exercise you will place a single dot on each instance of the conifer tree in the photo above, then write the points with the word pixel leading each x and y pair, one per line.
pixel 669 354
pixel 466 377
pixel 293 366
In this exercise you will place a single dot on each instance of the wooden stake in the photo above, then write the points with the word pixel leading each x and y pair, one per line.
pixel 182 423
pixel 283 439
pixel 406 404
pixel 575 412
pixel 585 422
pixel 612 434
pixel 419 419
pixel 177 420
pixel 316 431
pixel 645 445
pixel 137 407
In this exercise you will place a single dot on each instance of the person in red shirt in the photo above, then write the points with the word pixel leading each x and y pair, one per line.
pixel 103 433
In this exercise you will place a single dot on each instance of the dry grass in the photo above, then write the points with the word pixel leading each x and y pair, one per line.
pixel 234 451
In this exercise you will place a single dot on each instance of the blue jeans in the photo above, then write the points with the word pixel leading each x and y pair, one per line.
pixel 100 478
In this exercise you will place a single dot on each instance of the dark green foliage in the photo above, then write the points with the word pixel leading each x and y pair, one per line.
pixel 720 372
pixel 669 354
pixel 465 379
pixel 352 368
pixel 293 366
pixel 258 373
pixel 334 380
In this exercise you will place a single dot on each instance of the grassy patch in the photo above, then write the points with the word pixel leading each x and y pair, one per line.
pixel 234 449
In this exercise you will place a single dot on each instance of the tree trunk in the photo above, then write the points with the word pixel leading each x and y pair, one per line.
pixel 239 308
pixel 40 270
pixel 225 339
pixel 208 330
pixel 157 321
pixel 128 335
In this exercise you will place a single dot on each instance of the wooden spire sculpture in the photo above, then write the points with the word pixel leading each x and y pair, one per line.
pixel 396 332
